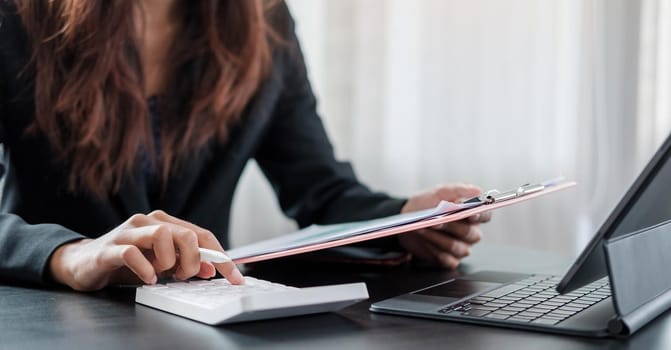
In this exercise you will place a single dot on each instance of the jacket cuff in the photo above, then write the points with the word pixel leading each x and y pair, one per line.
pixel 50 239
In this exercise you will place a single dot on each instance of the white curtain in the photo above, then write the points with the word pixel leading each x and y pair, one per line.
pixel 490 92
pixel 655 74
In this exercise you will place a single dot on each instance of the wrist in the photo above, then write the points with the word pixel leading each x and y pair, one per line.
pixel 61 267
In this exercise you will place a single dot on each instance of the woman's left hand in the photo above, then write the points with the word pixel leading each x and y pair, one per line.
pixel 444 244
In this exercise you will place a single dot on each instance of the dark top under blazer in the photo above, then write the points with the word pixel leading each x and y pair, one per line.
pixel 280 129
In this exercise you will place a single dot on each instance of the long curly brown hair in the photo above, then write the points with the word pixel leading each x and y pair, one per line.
pixel 89 98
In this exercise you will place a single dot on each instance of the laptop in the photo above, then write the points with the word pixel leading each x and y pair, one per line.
pixel 617 284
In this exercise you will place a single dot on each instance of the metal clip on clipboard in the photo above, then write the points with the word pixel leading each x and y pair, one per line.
pixel 494 196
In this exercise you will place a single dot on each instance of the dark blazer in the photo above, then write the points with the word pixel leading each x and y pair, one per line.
pixel 280 129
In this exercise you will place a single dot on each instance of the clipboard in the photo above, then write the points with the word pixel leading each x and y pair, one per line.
pixel 316 238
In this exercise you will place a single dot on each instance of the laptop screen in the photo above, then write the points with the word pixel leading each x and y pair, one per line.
pixel 646 203
pixel 651 207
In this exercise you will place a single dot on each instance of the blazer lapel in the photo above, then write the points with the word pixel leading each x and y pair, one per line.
pixel 179 193
pixel 181 184
pixel 133 194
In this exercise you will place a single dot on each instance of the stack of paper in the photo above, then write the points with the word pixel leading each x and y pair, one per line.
pixel 317 237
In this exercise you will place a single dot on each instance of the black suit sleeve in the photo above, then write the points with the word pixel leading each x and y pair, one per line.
pixel 25 249
pixel 297 157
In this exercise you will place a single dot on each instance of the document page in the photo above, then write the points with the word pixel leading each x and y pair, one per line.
pixel 318 234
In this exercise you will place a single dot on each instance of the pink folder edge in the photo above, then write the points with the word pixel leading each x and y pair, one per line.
pixel 403 228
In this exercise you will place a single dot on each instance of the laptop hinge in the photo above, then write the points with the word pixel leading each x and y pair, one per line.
pixel 630 323
pixel 637 269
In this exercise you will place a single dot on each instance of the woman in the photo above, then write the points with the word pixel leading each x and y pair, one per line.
pixel 112 109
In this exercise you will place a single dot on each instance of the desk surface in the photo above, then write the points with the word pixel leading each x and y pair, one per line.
pixel 56 319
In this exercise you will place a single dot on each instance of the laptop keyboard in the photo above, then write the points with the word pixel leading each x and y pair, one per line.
pixel 531 300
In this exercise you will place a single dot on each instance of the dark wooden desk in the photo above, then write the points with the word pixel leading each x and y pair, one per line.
pixel 57 319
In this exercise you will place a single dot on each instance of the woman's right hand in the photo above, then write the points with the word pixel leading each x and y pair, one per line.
pixel 142 249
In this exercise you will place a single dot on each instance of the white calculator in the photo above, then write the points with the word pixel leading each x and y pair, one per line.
pixel 219 302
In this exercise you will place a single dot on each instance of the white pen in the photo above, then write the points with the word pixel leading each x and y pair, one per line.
pixel 213 256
